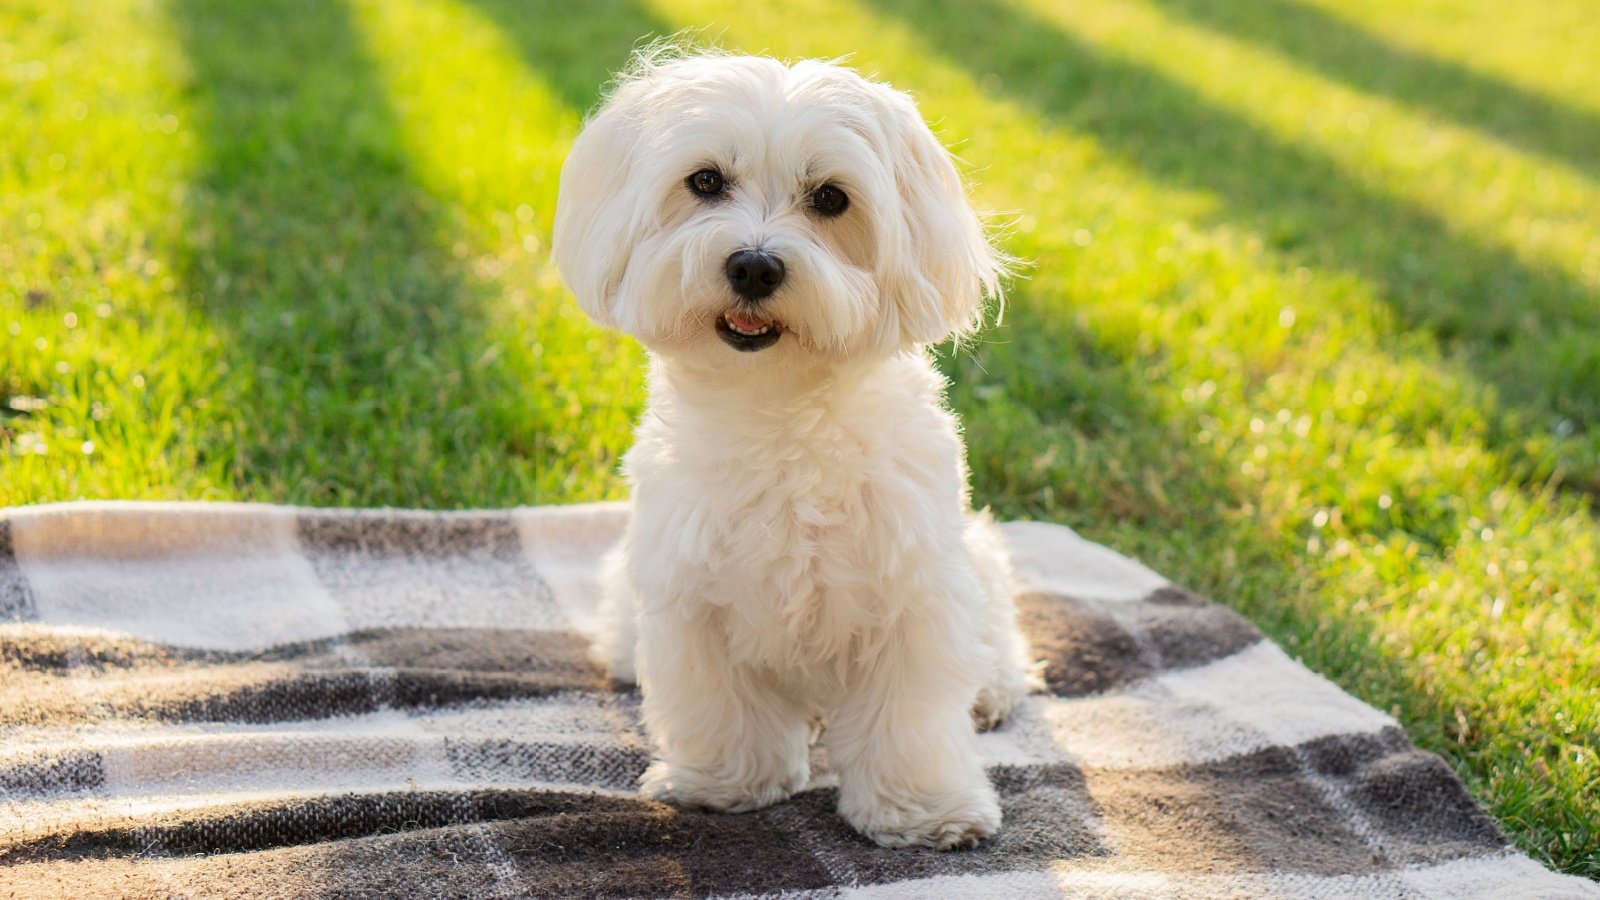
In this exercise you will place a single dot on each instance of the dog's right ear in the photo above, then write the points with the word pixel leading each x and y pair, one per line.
pixel 595 217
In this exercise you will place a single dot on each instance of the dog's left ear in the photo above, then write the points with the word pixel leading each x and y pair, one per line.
pixel 944 265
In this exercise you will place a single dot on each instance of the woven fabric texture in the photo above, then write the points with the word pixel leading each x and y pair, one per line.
pixel 238 700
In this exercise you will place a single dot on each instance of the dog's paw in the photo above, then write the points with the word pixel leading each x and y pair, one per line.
pixel 683 786
pixel 993 706
pixel 957 822
pixel 997 699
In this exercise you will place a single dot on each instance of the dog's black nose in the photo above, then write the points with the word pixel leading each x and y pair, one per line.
pixel 754 274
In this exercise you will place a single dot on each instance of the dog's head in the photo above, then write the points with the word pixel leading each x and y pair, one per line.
pixel 734 210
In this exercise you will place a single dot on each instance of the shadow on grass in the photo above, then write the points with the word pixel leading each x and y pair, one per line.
pixel 1530 332
pixel 355 340
pixel 1347 53
pixel 575 50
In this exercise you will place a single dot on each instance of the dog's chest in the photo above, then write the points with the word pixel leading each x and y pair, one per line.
pixel 804 577
pixel 809 555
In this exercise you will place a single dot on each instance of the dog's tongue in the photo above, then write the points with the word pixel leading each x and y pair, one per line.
pixel 740 320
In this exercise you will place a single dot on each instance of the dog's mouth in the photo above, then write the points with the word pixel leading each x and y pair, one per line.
pixel 748 333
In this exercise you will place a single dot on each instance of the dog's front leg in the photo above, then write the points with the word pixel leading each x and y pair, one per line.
pixel 902 741
pixel 727 738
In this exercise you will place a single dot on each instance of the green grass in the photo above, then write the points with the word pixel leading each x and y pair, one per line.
pixel 1312 325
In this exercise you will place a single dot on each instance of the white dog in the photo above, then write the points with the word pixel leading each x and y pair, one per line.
pixel 787 240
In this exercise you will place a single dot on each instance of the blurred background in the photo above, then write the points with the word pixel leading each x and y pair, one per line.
pixel 1311 322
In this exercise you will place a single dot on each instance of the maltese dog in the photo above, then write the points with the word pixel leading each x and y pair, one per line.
pixel 787 240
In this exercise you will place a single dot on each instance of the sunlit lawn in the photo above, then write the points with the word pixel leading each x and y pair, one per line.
pixel 1313 324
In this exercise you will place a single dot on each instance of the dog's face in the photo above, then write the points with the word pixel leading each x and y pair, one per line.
pixel 735 211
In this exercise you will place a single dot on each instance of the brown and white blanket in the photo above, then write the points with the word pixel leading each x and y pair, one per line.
pixel 212 699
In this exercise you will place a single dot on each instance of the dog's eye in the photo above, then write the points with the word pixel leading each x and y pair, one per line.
pixel 706 182
pixel 829 200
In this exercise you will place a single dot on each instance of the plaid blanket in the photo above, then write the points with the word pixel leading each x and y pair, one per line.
pixel 209 700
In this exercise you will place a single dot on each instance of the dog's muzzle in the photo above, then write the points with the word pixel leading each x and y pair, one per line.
pixel 753 275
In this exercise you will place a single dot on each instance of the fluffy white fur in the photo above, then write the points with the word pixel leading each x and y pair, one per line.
pixel 802 540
